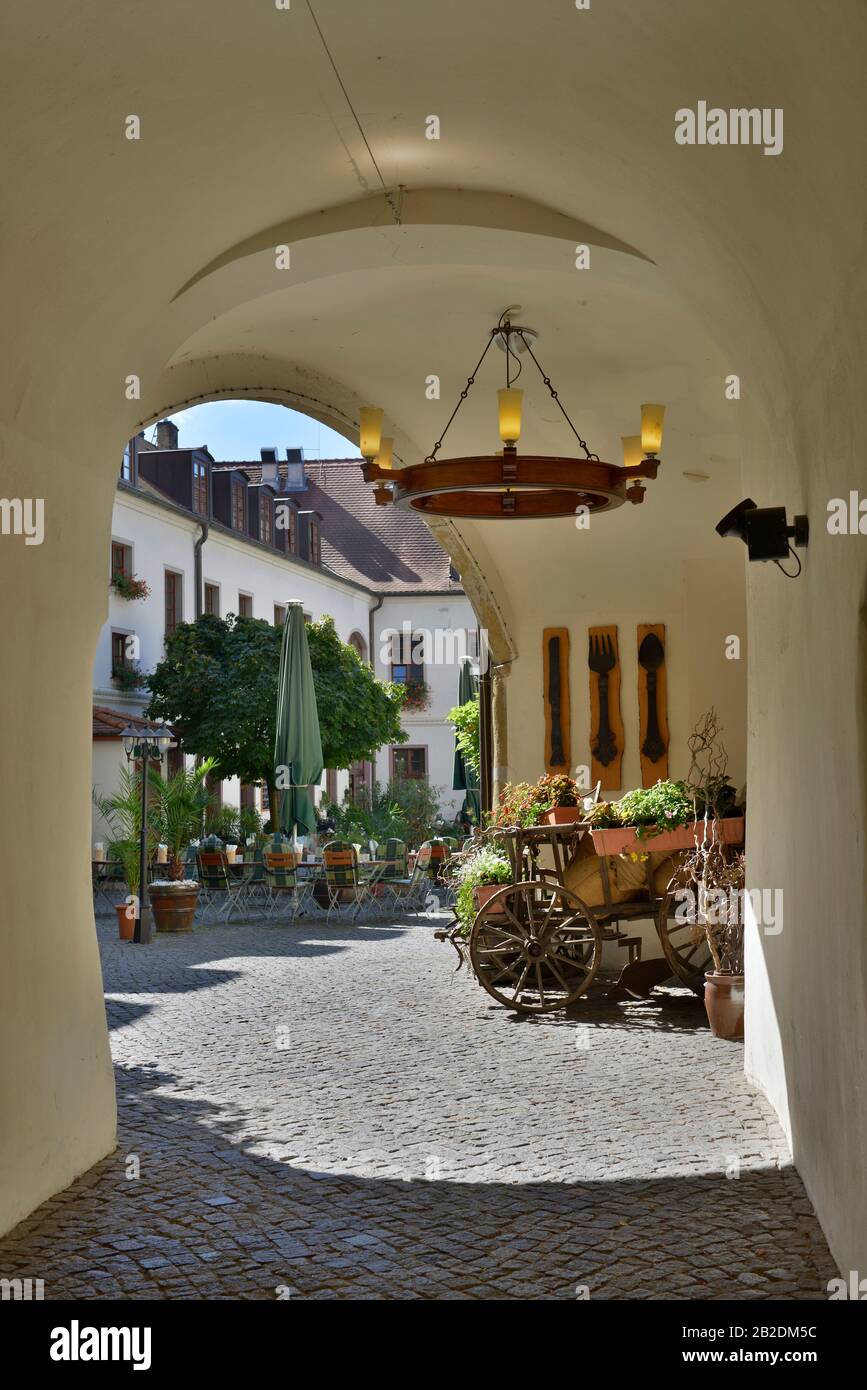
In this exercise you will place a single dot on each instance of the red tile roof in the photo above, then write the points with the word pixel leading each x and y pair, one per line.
pixel 110 723
pixel 380 547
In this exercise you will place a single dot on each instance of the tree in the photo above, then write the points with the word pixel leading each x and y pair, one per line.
pixel 465 719
pixel 217 687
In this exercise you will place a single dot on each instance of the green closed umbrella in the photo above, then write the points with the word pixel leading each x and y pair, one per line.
pixel 298 746
pixel 465 779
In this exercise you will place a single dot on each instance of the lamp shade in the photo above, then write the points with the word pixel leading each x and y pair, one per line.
pixel 370 431
pixel 163 738
pixel 651 428
pixel 386 450
pixel 632 451
pixel 129 738
pixel 509 399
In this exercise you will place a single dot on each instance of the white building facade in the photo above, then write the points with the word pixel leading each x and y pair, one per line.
pixel 343 566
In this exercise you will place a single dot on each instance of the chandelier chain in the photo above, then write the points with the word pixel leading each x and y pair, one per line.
pixel 432 456
pixel 594 458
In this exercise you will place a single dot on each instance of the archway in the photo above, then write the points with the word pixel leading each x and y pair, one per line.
pixel 735 239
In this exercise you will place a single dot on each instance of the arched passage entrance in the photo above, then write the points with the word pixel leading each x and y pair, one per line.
pixel 739 249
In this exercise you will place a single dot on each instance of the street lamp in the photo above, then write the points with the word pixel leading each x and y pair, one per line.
pixel 144 745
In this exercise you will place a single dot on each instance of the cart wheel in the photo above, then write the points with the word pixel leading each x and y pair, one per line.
pixel 683 945
pixel 535 947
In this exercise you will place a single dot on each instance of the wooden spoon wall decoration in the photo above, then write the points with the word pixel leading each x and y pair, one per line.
pixel 652 703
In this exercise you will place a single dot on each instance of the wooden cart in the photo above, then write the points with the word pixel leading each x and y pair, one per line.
pixel 536 946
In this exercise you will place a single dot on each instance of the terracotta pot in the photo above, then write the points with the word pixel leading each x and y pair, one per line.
pixel 724 1002
pixel 624 839
pixel 563 815
pixel 125 924
pixel 484 891
pixel 174 907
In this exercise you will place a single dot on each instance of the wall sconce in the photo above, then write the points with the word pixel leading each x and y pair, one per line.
pixel 766 532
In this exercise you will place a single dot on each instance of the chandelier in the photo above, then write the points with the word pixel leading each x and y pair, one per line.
pixel 509 484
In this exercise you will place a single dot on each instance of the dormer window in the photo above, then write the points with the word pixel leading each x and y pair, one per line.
pixel 266 519
pixel 200 487
pixel 315 543
pixel 286 522
pixel 239 505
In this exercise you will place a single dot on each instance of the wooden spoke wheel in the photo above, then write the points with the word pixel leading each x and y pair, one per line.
pixel 684 945
pixel 535 947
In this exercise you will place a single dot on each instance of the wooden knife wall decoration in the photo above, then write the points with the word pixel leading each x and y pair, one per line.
pixel 606 725
pixel 555 660
pixel 652 703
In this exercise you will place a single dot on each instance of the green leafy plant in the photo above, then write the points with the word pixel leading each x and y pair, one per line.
pixel 128 676
pixel 224 822
pixel 652 810
pixel 130 587
pixel 486 865
pixel 249 822
pixel 465 719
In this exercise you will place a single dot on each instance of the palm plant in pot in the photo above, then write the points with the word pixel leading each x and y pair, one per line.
pixel 180 804
pixel 122 814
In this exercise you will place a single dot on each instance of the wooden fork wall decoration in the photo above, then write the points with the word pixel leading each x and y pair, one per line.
pixel 606 725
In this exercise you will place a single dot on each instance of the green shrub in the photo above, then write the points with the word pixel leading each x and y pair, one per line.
pixel 487 865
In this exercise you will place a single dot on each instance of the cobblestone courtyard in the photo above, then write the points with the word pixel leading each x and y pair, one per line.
pixel 332 1113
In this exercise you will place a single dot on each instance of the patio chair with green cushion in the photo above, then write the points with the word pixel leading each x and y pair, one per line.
pixel 345 885
pixel 411 894
pixel 216 883
pixel 285 889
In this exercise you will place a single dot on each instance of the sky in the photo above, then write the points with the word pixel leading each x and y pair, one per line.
pixel 239 429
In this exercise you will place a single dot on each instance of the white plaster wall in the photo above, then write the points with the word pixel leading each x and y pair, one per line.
pixel 57 1107
pixel 435 614
pixel 701 602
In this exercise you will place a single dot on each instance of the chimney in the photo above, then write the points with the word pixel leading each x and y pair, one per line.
pixel 296 478
pixel 167 435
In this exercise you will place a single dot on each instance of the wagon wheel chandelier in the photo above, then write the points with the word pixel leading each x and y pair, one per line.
pixel 507 484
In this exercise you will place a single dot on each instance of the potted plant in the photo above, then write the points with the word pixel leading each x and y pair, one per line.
pixel 128 676
pixel 417 695
pixel 711 898
pixel 122 814
pixel 564 796
pixel 130 587
pixel 482 874
pixel 656 823
pixel 181 802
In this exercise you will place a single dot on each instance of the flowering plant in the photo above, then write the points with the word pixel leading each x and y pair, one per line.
pixel 128 586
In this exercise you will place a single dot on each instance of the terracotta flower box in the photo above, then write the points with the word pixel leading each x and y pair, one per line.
pixel 483 891
pixel 623 839
pixel 563 815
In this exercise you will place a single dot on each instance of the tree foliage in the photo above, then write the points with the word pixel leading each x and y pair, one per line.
pixel 217 687
pixel 465 719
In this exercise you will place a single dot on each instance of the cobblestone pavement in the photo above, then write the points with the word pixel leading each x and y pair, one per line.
pixel 332 1113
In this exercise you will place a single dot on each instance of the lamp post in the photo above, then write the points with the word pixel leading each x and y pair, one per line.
pixel 144 744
